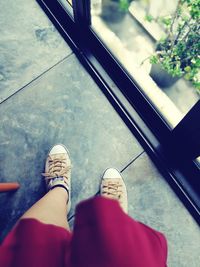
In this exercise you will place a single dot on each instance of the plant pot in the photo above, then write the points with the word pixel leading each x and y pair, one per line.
pixel 161 77
pixel 111 11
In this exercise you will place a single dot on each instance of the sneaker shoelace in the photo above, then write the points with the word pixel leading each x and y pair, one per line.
pixel 57 168
pixel 112 189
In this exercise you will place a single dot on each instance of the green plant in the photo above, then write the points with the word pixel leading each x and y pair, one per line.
pixel 179 51
pixel 123 4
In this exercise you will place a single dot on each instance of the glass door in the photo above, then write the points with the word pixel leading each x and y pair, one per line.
pixel 158 47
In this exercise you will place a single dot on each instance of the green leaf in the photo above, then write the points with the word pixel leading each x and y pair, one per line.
pixel 149 18
pixel 124 5
pixel 166 21
pixel 187 69
pixel 154 59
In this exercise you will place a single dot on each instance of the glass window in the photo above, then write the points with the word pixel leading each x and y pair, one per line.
pixel 70 2
pixel 68 6
pixel 157 42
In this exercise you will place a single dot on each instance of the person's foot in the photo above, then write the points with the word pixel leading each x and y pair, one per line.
pixel 113 186
pixel 58 170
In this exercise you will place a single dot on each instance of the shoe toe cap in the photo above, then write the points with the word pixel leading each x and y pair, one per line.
pixel 111 173
pixel 57 149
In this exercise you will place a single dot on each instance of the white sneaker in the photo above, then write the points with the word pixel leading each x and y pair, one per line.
pixel 113 186
pixel 58 170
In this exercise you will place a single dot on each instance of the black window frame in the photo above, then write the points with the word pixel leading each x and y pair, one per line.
pixel 173 151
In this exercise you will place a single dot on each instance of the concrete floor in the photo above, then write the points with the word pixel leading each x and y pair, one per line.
pixel 47 98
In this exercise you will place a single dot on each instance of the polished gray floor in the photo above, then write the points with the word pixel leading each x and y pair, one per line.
pixel 29 45
pixel 55 100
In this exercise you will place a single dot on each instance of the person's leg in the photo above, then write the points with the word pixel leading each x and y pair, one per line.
pixel 32 243
pixel 54 206
pixel 51 209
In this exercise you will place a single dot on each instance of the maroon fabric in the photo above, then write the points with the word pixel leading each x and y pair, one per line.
pixel 104 236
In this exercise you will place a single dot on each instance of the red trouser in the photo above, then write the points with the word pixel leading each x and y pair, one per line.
pixel 103 236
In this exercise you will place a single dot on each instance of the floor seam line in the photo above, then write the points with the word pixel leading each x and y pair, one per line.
pixel 36 78
pixel 133 160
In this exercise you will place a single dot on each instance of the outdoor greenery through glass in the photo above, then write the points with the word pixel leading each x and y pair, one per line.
pixel 179 52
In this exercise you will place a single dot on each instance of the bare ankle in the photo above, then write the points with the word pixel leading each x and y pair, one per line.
pixel 61 190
